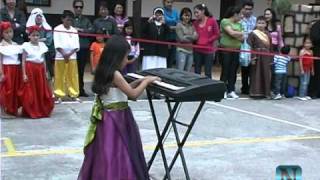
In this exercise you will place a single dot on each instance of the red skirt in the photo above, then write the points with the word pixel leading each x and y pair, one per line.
pixel 35 94
pixel 9 87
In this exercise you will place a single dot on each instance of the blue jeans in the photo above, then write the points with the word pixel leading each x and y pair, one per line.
pixel 184 60
pixel 304 83
pixel 206 59
pixel 279 83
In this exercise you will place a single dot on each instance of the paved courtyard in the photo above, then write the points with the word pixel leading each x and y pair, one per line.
pixel 235 139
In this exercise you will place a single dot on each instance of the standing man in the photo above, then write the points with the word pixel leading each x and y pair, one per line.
pixel 83 25
pixel 171 16
pixel 248 23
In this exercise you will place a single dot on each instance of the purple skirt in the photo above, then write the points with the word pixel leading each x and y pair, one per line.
pixel 116 151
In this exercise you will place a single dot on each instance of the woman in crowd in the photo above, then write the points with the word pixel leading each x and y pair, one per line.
pixel 186 34
pixel 104 21
pixel 119 15
pixel 208 32
pixel 232 36
pixel 274 28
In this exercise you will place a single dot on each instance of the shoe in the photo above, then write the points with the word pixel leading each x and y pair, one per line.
pixel 58 101
pixel 225 96
pixel 302 98
pixel 232 95
pixel 308 97
pixel 76 99
pixel 83 94
pixel 277 97
pixel 5 115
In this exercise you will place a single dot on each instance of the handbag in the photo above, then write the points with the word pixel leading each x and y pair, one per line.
pixel 245 57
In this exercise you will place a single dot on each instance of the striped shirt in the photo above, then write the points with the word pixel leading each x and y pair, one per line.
pixel 280 64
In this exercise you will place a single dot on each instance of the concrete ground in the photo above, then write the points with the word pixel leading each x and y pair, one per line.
pixel 240 139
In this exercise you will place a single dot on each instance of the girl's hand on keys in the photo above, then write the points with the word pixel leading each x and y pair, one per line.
pixel 151 79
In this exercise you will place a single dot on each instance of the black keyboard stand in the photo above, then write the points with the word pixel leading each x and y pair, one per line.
pixel 161 136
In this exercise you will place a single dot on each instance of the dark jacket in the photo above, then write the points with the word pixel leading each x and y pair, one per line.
pixel 84 23
pixel 19 18
pixel 157 33
pixel 108 25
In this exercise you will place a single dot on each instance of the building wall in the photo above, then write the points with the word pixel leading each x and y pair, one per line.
pixel 57 6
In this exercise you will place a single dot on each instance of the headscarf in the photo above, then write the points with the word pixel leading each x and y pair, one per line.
pixel 32 19
pixel 158 9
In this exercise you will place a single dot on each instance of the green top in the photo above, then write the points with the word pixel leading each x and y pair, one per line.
pixel 226 40
pixel 96 116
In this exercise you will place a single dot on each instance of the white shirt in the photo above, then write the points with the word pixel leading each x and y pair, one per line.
pixel 114 95
pixel 35 53
pixel 10 53
pixel 67 40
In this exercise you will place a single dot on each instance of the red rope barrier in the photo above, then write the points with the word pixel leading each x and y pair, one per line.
pixel 190 45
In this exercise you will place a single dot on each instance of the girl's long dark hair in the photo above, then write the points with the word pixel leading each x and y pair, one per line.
pixel 111 59
pixel 274 19
pixel 203 7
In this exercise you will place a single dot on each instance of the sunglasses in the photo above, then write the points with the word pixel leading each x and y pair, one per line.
pixel 77 7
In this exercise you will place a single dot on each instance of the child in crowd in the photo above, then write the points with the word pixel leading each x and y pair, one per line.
pixel 280 63
pixel 306 68
pixel 36 95
pixel 113 148
pixel 155 55
pixel 134 46
pixel 10 72
pixel 260 72
pixel 46 35
pixel 96 49
pixel 66 41
pixel 186 34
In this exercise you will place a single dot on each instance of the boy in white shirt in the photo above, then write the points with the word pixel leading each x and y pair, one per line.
pixel 66 41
